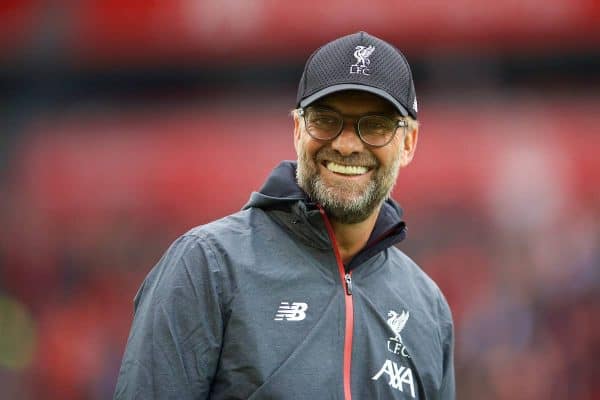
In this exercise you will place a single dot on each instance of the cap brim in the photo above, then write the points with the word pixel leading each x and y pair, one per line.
pixel 352 86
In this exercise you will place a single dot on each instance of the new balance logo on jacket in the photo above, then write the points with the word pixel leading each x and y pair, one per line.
pixel 291 312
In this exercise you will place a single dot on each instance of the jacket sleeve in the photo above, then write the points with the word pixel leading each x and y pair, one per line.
pixel 175 339
pixel 447 388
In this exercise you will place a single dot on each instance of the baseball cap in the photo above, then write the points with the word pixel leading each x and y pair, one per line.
pixel 359 61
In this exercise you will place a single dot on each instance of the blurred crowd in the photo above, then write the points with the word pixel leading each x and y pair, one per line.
pixel 119 136
pixel 525 302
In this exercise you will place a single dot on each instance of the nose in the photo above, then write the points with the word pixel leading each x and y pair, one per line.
pixel 348 141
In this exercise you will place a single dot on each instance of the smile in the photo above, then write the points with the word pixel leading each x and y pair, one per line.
pixel 346 169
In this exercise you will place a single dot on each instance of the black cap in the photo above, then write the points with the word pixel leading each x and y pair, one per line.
pixel 359 62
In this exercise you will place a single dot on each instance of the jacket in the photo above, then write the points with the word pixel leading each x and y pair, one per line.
pixel 258 305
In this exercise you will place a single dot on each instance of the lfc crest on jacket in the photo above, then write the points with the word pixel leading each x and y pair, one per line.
pixel 397 322
pixel 398 376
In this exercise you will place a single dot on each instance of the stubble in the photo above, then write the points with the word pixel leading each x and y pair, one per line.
pixel 346 201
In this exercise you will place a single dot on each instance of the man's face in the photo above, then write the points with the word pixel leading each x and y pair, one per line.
pixel 347 177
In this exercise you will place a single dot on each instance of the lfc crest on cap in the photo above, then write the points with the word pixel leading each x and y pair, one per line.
pixel 362 53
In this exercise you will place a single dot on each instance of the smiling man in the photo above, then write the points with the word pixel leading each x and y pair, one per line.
pixel 303 294
pixel 349 154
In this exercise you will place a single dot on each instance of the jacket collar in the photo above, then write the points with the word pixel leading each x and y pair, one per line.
pixel 281 191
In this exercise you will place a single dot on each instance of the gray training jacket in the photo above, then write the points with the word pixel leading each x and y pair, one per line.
pixel 258 305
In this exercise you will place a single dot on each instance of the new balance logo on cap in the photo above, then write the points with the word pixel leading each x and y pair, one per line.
pixel 291 312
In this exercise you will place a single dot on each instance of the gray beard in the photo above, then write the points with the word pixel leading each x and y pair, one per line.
pixel 346 202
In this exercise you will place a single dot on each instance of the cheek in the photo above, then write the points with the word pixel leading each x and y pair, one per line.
pixel 313 148
pixel 388 154
pixel 308 146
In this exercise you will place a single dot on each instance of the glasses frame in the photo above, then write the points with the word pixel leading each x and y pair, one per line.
pixel 401 123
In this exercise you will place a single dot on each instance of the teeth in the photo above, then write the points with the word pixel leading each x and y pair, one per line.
pixel 346 169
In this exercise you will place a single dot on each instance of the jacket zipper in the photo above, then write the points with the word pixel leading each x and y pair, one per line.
pixel 346 280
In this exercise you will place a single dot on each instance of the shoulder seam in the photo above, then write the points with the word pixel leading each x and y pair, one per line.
pixel 205 240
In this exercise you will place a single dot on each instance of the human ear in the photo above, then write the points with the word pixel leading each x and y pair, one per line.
pixel 409 145
pixel 296 131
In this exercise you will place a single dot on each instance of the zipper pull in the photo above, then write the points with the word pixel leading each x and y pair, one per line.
pixel 348 279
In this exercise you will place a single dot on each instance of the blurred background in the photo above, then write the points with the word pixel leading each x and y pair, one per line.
pixel 125 123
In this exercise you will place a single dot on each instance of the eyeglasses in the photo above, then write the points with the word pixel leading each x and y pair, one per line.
pixel 326 124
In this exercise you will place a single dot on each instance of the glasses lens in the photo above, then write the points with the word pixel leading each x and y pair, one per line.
pixel 376 130
pixel 323 124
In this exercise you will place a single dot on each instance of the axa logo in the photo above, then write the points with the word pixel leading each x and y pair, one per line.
pixel 362 54
pixel 398 376
pixel 291 312
pixel 397 322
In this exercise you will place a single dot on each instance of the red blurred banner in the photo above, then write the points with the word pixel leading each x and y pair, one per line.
pixel 137 30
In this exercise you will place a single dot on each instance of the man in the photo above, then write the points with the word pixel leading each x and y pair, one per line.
pixel 302 295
